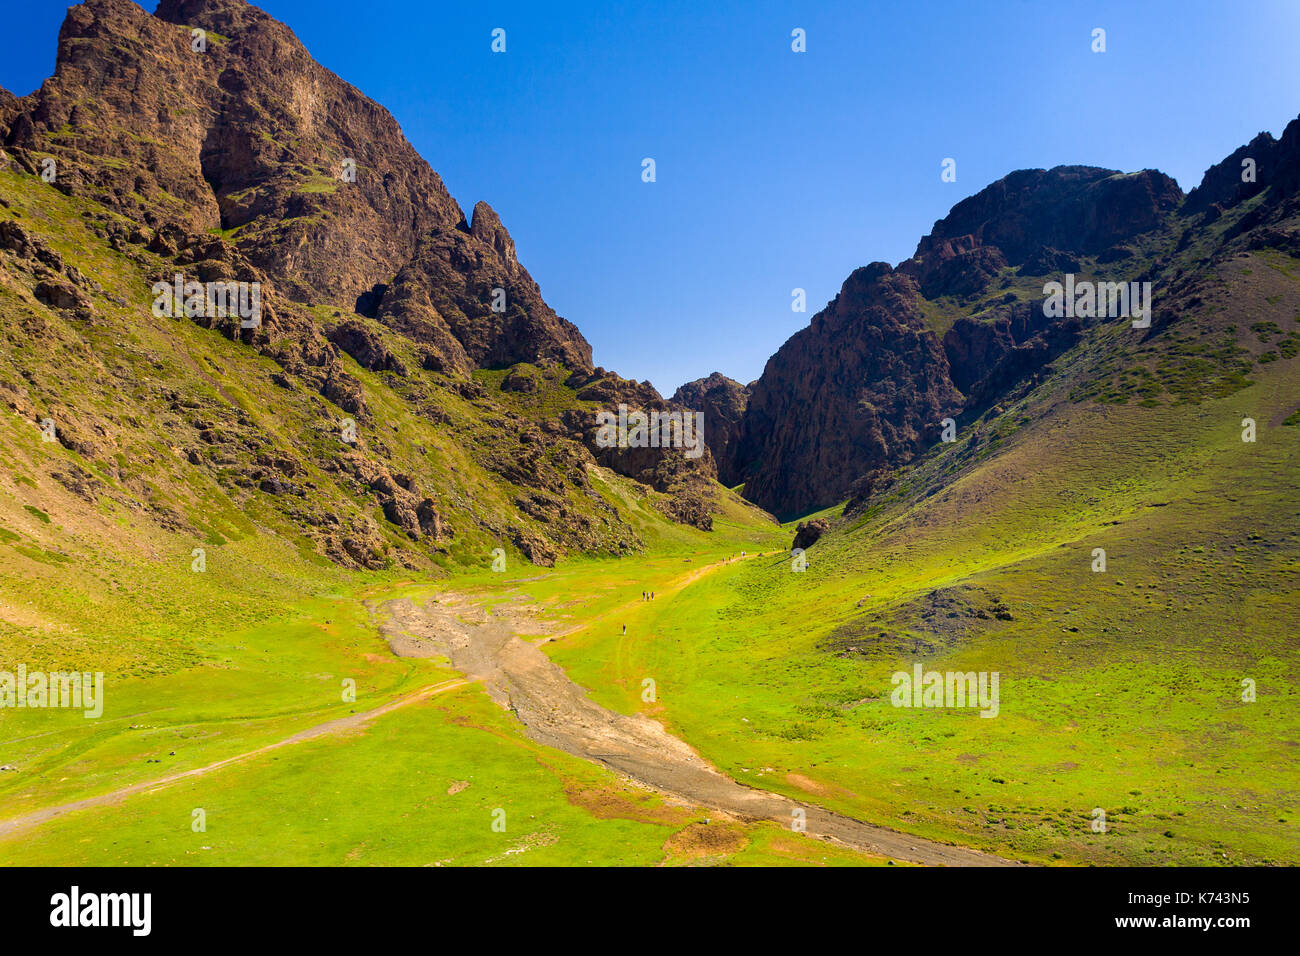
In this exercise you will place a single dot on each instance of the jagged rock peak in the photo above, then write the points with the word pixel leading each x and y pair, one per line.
pixel 723 401
pixel 485 225
pixel 311 180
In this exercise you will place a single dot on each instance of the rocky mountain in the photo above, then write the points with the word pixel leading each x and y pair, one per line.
pixel 865 384
pixel 959 329
pixel 422 402
pixel 311 181
pixel 722 401
pixel 203 140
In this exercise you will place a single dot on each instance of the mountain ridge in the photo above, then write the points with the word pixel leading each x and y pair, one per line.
pixel 220 157
pixel 850 362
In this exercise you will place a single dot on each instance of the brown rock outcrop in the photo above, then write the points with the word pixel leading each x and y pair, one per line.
pixel 866 383
pixel 314 182
pixel 723 401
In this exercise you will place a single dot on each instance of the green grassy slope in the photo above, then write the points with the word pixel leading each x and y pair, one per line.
pixel 1120 690
pixel 97 573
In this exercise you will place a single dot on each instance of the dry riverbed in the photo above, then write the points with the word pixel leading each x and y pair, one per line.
pixel 483 645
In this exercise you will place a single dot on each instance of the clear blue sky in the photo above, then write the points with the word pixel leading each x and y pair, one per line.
pixel 775 169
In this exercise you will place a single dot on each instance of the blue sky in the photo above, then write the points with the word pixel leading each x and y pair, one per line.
pixel 775 169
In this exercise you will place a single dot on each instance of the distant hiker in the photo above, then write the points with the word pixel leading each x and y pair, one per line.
pixel 652 595
pixel 624 628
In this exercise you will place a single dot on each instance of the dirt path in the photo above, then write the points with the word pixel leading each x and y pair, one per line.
pixel 672 587
pixel 557 712
pixel 352 721
pixel 25 821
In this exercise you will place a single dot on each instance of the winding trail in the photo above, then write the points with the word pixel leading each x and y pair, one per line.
pixel 558 713
pixel 672 587
pixel 36 817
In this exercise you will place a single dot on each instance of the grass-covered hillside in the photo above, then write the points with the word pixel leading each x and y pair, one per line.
pixel 1120 689
pixel 198 531
pixel 366 584
pixel 170 437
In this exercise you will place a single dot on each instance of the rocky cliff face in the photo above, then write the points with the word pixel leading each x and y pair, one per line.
pixel 959 327
pixel 312 182
pixel 687 475
pixel 1031 214
pixel 204 141
pixel 1275 167
pixel 865 384
pixel 722 401
pixel 465 295
pixel 1274 164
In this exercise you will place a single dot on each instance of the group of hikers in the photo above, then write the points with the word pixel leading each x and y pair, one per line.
pixel 650 595
pixel 645 596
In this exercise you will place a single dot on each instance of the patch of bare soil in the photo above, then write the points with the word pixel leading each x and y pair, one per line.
pixel 606 804
pixel 705 840
pixel 557 712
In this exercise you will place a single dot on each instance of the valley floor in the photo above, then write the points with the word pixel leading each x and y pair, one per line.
pixel 1122 691
pixel 653 771
pixel 436 774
